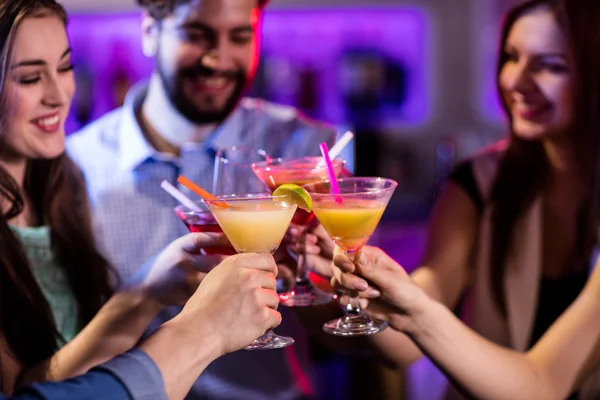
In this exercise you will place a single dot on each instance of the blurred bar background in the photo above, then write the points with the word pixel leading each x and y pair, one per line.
pixel 415 81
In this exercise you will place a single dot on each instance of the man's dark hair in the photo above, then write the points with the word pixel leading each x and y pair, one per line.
pixel 159 9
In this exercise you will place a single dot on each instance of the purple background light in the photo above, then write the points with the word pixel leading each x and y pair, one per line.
pixel 107 47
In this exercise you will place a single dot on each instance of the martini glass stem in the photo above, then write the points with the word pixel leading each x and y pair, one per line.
pixel 353 306
pixel 304 293
pixel 270 340
pixel 302 265
pixel 354 322
pixel 353 309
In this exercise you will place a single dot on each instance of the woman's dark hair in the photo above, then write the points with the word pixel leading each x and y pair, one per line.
pixel 524 168
pixel 57 191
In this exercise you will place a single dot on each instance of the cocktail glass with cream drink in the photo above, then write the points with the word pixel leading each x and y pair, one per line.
pixel 255 223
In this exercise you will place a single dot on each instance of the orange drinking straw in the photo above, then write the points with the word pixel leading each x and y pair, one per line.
pixel 199 191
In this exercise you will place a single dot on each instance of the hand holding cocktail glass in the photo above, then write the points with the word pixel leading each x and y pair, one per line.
pixel 319 250
pixel 386 290
pixel 253 223
pixel 350 209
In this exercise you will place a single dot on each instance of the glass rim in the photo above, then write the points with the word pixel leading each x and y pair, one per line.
pixel 393 185
pixel 180 208
pixel 228 198
pixel 277 162
pixel 256 150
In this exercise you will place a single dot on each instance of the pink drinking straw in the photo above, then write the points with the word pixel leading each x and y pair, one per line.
pixel 332 178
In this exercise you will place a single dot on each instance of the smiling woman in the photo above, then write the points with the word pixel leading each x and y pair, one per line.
pixel 512 233
pixel 58 314
pixel 39 88
pixel 535 80
pixel 52 278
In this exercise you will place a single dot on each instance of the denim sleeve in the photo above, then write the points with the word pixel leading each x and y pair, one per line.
pixel 96 384
pixel 131 376
pixel 138 373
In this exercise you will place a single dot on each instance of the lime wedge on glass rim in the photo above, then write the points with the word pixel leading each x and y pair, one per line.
pixel 298 195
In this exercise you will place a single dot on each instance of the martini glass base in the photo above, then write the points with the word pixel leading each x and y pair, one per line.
pixel 354 325
pixel 270 341
pixel 305 294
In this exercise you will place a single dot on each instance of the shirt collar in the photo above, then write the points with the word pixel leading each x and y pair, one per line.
pixel 135 149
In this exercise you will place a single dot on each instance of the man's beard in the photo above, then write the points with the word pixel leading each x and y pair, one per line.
pixel 174 88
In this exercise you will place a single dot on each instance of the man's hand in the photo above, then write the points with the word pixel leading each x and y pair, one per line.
pixel 179 268
pixel 237 301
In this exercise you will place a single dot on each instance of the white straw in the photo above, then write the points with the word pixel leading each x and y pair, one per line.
pixel 180 197
pixel 338 147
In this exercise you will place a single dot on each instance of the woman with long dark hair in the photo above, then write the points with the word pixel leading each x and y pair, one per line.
pixel 512 234
pixel 53 280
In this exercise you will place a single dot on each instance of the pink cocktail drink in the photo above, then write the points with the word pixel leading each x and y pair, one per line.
pixel 298 171
pixel 203 222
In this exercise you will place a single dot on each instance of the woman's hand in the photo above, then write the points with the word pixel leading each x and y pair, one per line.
pixel 387 292
pixel 317 245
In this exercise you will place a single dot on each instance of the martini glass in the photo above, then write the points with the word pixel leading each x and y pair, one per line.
pixel 233 170
pixel 350 218
pixel 202 220
pixel 299 171
pixel 255 223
